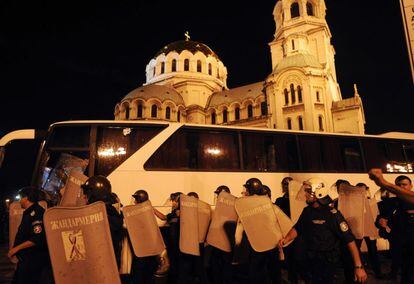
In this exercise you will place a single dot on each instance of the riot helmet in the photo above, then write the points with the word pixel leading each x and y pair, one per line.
pixel 30 192
pixel 266 191
pixel 222 188
pixel 317 188
pixel 193 194
pixel 140 196
pixel 253 186
pixel 97 188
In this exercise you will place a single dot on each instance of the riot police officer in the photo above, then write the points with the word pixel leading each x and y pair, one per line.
pixel 323 229
pixel 30 243
pixel 98 188
pixel 143 268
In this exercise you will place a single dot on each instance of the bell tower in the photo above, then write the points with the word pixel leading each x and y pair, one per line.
pixel 303 84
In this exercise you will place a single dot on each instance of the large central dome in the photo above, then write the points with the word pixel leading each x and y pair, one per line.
pixel 192 46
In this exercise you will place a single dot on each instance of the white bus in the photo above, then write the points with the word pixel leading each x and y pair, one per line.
pixel 164 157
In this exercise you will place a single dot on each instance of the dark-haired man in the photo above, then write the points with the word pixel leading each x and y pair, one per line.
pixel 30 242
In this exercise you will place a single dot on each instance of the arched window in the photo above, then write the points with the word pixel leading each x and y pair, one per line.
pixel 154 71
pixel 213 118
pixel 126 112
pixel 237 113
pixel 294 10
pixel 210 69
pixel 300 122
pixel 286 97
pixel 186 64
pixel 292 93
pixel 139 115
pixel 263 108
pixel 309 9
pixel 320 120
pixel 318 98
pixel 168 113
pixel 289 123
pixel 249 111
pixel 299 94
pixel 225 116
pixel 218 72
pixel 162 67
pixel 154 111
pixel 293 44
pixel 178 116
pixel 198 65
pixel 174 65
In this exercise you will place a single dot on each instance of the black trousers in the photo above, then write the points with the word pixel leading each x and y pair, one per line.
pixel 32 269
pixel 407 253
pixel 221 266
pixel 372 253
pixel 143 269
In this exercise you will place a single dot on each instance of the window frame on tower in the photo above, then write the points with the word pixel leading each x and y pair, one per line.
pixel 237 113
pixel 154 111
pixel 310 11
pixel 286 93
pixel 186 64
pixel 162 67
pixel 225 115
pixel 299 94
pixel 168 113
pixel 293 94
pixel 199 66
pixel 174 65
pixel 250 111
pixel 294 10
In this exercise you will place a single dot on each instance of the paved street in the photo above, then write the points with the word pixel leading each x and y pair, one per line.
pixel 6 270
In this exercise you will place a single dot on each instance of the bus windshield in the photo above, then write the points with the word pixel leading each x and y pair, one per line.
pixel 89 149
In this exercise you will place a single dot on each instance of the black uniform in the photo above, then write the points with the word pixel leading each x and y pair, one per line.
pixel 323 230
pixel 405 229
pixel 117 230
pixel 33 261
pixel 388 209
pixel 283 203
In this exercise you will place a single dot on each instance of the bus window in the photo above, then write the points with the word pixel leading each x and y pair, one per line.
pixel 192 149
pixel 57 167
pixel 258 152
pixel 375 153
pixel 395 152
pixel 351 156
pixel 115 144
pixel 287 157
pixel 409 152
pixel 331 154
pixel 310 151
pixel 69 137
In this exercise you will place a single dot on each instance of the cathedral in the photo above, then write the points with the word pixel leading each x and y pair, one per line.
pixel 186 82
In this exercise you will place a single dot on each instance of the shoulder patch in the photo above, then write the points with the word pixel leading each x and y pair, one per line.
pixel 344 226
pixel 32 213
pixel 37 229
pixel 334 211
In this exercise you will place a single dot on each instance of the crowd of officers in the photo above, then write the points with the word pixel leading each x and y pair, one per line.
pixel 318 244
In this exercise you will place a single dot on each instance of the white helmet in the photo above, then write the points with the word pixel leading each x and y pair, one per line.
pixel 318 188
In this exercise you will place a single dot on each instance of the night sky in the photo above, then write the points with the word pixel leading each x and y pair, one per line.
pixel 70 60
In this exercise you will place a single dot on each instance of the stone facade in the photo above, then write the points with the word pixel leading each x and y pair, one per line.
pixel 186 82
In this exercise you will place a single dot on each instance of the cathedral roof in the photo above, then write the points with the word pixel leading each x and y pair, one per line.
pixel 237 94
pixel 155 91
pixel 297 60
pixel 192 46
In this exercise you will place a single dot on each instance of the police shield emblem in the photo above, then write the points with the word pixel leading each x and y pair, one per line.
pixel 73 194
pixel 351 203
pixel 297 200
pixel 223 214
pixel 143 230
pixel 204 218
pixel 80 244
pixel 259 221
pixel 189 225
pixel 15 218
